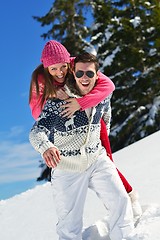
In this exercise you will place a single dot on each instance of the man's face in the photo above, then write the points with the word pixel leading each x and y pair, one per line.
pixel 85 76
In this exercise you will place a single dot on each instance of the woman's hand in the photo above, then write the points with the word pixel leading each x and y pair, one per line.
pixel 61 94
pixel 70 107
pixel 51 157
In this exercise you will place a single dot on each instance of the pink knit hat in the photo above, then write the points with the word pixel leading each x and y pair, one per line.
pixel 54 52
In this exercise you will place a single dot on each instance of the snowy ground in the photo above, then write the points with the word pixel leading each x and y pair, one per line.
pixel 31 215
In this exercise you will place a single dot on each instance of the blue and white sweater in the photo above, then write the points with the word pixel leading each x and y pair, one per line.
pixel 77 138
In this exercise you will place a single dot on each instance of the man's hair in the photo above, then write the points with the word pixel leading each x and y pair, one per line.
pixel 85 57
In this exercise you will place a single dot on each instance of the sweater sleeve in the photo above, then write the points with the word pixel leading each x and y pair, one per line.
pixel 107 113
pixel 103 89
pixel 39 134
pixel 107 118
pixel 35 103
pixel 38 138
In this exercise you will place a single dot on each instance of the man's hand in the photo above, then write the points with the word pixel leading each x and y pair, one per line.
pixel 70 107
pixel 51 157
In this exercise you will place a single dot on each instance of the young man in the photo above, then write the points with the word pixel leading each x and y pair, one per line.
pixel 72 148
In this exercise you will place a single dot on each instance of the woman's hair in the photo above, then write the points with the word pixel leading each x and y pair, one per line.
pixel 49 89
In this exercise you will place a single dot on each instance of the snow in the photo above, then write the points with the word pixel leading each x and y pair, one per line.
pixel 136 21
pixel 153 111
pixel 109 59
pixel 118 128
pixel 31 215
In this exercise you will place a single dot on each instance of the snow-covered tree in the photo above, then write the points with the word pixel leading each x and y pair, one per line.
pixel 67 21
pixel 127 36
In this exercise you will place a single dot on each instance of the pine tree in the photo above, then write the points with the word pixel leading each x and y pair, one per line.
pixel 129 53
pixel 67 20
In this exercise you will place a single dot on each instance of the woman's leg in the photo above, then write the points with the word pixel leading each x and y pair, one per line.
pixel 125 182
pixel 106 144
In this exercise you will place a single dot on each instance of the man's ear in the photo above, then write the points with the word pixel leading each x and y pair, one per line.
pixel 97 75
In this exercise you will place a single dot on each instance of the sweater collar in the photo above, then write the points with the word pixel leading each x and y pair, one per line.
pixel 68 91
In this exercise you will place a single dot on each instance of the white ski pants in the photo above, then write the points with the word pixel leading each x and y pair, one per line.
pixel 70 190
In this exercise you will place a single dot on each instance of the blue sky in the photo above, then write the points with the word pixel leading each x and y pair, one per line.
pixel 20 51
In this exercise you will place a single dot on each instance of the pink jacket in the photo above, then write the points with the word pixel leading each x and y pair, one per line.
pixel 103 89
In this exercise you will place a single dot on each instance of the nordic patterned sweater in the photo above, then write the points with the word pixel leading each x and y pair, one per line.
pixel 77 138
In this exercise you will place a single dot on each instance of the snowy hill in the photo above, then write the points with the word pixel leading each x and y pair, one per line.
pixel 31 215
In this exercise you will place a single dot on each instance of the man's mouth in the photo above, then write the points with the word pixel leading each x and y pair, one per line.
pixel 85 84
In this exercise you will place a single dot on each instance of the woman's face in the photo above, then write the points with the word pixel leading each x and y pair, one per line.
pixel 58 71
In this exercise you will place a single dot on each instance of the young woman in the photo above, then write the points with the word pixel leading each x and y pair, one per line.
pixel 48 80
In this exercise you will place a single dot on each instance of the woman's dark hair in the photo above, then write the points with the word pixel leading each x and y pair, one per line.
pixel 49 88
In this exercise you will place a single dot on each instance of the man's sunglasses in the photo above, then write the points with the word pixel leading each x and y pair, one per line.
pixel 80 74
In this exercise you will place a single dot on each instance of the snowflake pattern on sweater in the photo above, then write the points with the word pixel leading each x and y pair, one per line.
pixel 77 138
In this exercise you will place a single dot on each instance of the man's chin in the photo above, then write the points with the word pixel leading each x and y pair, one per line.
pixel 84 92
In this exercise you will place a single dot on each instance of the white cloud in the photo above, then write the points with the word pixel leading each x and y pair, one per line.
pixel 18 160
